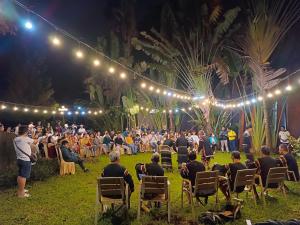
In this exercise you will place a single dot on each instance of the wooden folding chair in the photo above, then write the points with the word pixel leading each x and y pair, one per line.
pixel 154 189
pixel 166 157
pixel 245 177
pixel 205 182
pixel 276 175
pixel 111 191
pixel 182 155
pixel 65 167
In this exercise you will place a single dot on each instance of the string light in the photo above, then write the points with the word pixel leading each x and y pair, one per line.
pixel 15 108
pixel 28 25
pixel 157 91
pixel 111 70
pixel 36 111
pixel 56 41
pixel 277 92
pixel 3 106
pixel 26 109
pixel 123 75
pixel 79 54
pixel 269 95
pixel 96 62
pixel 288 88
pixel 143 85
pixel 151 88
pixel 53 112
pixel 165 92
pixel 69 113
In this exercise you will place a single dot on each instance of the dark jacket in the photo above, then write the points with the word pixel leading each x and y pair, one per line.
pixel 116 170
pixel 154 169
pixel 193 167
pixel 182 141
pixel 264 165
pixel 68 155
pixel 233 168
pixel 292 164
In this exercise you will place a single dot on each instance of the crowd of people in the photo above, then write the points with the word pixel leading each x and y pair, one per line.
pixel 77 142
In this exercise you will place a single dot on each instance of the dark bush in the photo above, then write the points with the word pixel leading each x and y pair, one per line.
pixel 42 170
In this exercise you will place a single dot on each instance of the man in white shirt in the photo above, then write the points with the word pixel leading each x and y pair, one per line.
pixel 284 135
pixel 23 151
pixel 81 130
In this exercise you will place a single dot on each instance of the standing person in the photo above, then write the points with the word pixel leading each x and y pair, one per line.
pixel 224 139
pixel 23 151
pixel 195 140
pixel 247 140
pixel 205 148
pixel 81 130
pixel 213 142
pixel 232 139
pixel 182 141
pixel 153 142
pixel 283 135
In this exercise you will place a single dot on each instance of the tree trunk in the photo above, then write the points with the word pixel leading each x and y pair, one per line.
pixel 267 123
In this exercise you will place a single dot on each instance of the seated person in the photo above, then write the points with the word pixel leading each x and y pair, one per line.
pixel 119 143
pixel 170 142
pixel 150 169
pixel 70 156
pixel 231 174
pixel 190 169
pixel 250 162
pixel 264 164
pixel 114 169
pixel 289 161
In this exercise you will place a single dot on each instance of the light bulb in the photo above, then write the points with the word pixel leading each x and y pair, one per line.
pixel 96 62
pixel 288 88
pixel 111 70
pixel 157 91
pixel 26 110
pixel 143 85
pixel 56 41
pixel 122 75
pixel 28 25
pixel 277 92
pixel 151 88
pixel 79 54
pixel 15 108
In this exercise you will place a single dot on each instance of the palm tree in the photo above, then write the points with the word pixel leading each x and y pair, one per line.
pixel 268 24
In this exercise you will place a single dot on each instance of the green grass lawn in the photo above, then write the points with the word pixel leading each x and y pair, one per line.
pixel 71 199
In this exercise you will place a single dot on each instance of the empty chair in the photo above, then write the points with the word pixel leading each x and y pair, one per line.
pixel 276 178
pixel 166 158
pixel 65 167
pixel 111 191
pixel 182 155
pixel 154 189
pixel 206 184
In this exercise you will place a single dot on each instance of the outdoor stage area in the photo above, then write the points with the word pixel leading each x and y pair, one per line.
pixel 71 199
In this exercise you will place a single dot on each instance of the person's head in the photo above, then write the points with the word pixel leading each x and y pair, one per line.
pixel 235 156
pixel 223 128
pixel 155 158
pixel 265 150
pixel 283 149
pixel 212 134
pixel 81 126
pixel 65 143
pixel 201 133
pixel 23 130
pixel 192 156
pixel 282 128
pixel 114 157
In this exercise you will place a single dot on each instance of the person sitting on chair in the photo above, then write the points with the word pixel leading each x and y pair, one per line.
pixel 264 164
pixel 190 169
pixel 70 156
pixel 232 169
pixel 289 160
pixel 114 169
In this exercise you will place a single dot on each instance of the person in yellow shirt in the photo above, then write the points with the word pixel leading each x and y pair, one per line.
pixel 232 139
pixel 129 142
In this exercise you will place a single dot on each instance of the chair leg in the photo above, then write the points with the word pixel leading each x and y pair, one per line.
pixel 193 209
pixel 283 189
pixel 182 196
pixel 139 208
pixel 169 211
pixel 254 197
pixel 96 207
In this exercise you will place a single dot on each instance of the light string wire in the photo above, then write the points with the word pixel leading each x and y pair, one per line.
pixel 67 34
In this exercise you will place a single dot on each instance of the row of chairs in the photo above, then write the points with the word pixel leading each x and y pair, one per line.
pixel 113 190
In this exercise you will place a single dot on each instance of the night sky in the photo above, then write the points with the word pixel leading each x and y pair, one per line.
pixel 88 19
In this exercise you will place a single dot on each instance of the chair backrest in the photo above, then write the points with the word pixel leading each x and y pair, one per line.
pixel 182 154
pixel 154 185
pixel 206 181
pixel 276 175
pixel 166 158
pixel 58 153
pixel 164 148
pixel 111 187
pixel 244 177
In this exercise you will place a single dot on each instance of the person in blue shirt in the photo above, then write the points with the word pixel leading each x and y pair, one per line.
pixel 70 156
pixel 213 141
